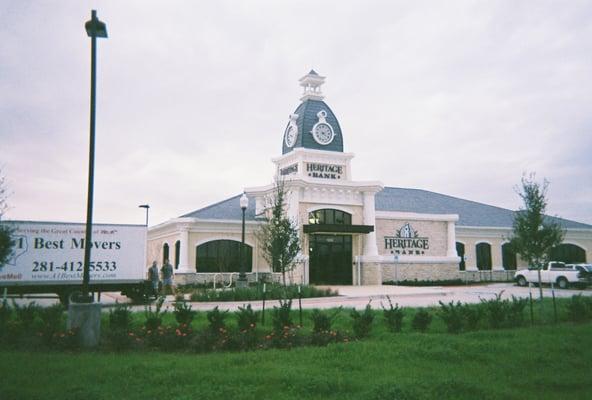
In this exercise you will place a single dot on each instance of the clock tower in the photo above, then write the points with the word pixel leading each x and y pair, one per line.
pixel 312 125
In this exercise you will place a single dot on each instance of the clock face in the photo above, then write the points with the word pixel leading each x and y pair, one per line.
pixel 291 133
pixel 323 133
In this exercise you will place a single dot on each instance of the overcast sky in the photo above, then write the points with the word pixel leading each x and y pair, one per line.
pixel 458 98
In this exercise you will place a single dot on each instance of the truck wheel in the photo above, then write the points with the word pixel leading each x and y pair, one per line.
pixel 562 283
pixel 136 294
pixel 522 281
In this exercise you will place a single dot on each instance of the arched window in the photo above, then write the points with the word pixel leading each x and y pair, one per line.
pixel 568 253
pixel 460 251
pixel 329 216
pixel 177 253
pixel 483 256
pixel 222 256
pixel 165 253
pixel 508 256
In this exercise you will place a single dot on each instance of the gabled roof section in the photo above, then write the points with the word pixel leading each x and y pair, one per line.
pixel 470 212
pixel 228 209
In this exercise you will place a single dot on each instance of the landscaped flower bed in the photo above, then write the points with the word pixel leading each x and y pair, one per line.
pixel 272 292
pixel 183 329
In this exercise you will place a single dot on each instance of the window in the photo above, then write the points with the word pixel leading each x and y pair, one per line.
pixel 165 253
pixel 223 256
pixel 177 253
pixel 568 253
pixel 508 256
pixel 329 216
pixel 460 251
pixel 483 256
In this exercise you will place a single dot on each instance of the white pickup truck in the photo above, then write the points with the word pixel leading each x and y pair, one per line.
pixel 555 272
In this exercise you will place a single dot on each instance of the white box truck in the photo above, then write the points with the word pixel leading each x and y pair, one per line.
pixel 48 257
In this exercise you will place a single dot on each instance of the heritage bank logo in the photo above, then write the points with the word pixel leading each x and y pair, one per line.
pixel 406 241
pixel 324 171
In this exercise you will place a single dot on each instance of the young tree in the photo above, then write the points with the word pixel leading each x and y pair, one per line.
pixel 534 234
pixel 278 237
pixel 5 231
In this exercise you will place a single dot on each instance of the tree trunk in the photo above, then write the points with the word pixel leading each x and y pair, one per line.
pixel 284 276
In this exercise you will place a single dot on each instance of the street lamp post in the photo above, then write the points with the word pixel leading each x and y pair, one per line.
pixel 94 29
pixel 242 277
pixel 147 207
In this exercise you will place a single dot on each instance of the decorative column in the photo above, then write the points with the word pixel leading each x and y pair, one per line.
pixel 370 248
pixel 451 240
pixel 294 206
pixel 184 266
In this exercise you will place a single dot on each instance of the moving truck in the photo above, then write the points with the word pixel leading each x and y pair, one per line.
pixel 48 257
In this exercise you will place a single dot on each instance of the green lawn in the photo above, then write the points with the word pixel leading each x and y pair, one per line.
pixel 542 362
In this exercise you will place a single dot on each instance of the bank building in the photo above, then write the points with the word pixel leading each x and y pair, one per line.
pixel 351 232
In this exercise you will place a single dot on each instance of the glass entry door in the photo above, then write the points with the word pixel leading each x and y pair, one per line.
pixel 330 259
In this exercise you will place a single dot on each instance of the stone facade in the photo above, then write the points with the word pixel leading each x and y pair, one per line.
pixel 434 231
pixel 421 272
pixel 371 274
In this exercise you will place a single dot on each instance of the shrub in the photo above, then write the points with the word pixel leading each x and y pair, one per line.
pixel 211 339
pixel 5 315
pixel 246 318
pixel 495 310
pixel 287 338
pixel 121 339
pixel 246 337
pixel 421 320
pixel 415 282
pixel 452 316
pixel 393 316
pixel 471 316
pixel 280 316
pixel 273 292
pixel 183 313
pixel 579 308
pixel 120 317
pixel 154 318
pixel 26 314
pixel 216 320
pixel 66 340
pixel 52 321
pixel 362 321
pixel 515 312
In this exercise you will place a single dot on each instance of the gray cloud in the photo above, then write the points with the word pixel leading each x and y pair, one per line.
pixel 455 97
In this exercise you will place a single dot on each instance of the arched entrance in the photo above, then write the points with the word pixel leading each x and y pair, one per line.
pixel 508 257
pixel 483 251
pixel 568 253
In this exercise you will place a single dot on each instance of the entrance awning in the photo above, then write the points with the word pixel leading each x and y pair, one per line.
pixel 333 228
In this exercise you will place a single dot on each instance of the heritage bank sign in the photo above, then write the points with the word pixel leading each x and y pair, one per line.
pixel 317 170
pixel 406 242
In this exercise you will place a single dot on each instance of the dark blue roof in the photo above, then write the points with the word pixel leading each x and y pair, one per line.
pixel 307 117
pixel 226 209
pixel 470 213
pixel 420 201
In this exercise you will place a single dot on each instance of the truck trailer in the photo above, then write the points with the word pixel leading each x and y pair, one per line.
pixel 48 257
